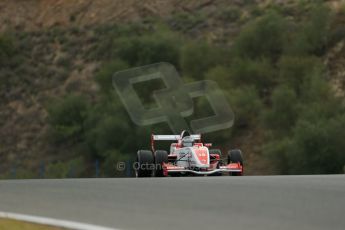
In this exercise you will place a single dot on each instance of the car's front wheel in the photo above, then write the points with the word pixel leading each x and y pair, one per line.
pixel 235 156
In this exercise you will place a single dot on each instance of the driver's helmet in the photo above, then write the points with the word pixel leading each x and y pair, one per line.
pixel 187 141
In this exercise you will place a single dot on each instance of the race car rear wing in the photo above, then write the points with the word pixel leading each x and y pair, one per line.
pixel 173 137
pixel 196 137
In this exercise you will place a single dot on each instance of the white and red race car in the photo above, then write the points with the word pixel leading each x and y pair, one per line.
pixel 187 156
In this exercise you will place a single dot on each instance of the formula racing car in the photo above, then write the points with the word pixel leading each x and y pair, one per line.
pixel 187 156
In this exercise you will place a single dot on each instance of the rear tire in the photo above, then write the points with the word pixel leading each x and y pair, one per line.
pixel 144 167
pixel 235 156
pixel 161 156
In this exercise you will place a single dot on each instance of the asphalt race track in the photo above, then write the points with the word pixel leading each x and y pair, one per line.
pixel 252 202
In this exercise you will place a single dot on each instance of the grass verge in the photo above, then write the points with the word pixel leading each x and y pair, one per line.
pixel 8 224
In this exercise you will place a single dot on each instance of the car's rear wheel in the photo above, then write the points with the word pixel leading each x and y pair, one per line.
pixel 235 156
pixel 161 156
pixel 144 166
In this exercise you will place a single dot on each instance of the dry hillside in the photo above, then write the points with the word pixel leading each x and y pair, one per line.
pixel 57 37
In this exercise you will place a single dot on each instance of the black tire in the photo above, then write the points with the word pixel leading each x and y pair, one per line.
pixel 219 153
pixel 161 156
pixel 235 156
pixel 144 167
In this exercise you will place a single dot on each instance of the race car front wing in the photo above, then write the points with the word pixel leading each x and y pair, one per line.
pixel 232 167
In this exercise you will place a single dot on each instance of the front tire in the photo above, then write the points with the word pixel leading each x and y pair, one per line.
pixel 235 156
pixel 144 167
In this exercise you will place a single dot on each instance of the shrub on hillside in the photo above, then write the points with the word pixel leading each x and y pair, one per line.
pixel 259 73
pixel 313 144
pixel 6 49
pixel 283 113
pixel 296 70
pixel 70 169
pixel 221 75
pixel 277 151
pixel 106 132
pixel 105 74
pixel 313 148
pixel 199 57
pixel 148 49
pixel 113 158
pixel 66 117
pixel 318 147
pixel 264 37
pixel 246 104
pixel 312 36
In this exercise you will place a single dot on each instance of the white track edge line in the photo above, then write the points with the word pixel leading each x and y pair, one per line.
pixel 53 222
